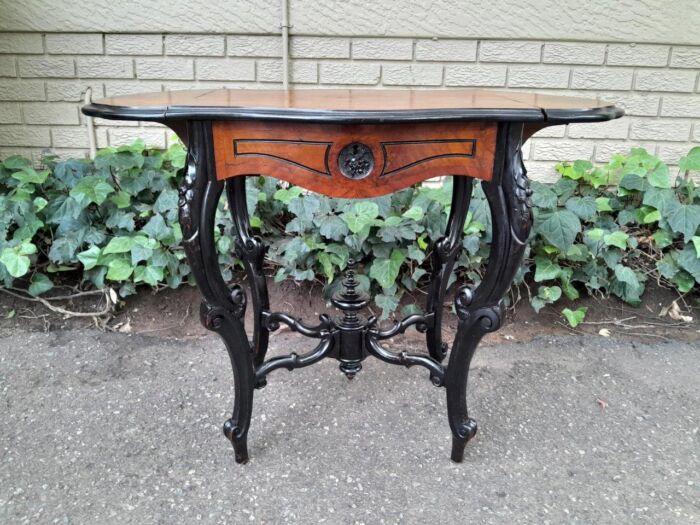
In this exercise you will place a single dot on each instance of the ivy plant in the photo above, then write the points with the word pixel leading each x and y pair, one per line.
pixel 113 222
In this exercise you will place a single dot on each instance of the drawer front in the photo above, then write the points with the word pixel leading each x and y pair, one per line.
pixel 354 160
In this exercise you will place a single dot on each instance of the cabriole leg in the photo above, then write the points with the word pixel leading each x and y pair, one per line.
pixel 480 310
pixel 222 307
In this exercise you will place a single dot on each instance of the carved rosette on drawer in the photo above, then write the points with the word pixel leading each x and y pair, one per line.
pixel 363 160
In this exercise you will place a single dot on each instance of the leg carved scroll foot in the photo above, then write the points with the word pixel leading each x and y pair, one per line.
pixel 480 310
pixel 473 324
pixel 238 439
pixel 461 437
pixel 223 307
pixel 228 324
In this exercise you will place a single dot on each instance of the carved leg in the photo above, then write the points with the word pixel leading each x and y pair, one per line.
pixel 222 307
pixel 444 253
pixel 480 310
pixel 251 250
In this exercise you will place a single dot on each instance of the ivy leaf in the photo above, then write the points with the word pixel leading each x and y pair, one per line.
pixel 166 201
pixel 143 253
pixel 595 234
pixel 89 257
pixel 549 293
pixel 119 269
pixel 414 212
pixel 70 171
pixel 560 229
pixel 626 285
pixel 685 219
pixel 688 260
pixel 388 302
pixel 63 249
pixel 659 176
pixel 667 266
pixel 546 269
pixel 333 227
pixel 255 222
pixel 651 217
pixel 584 207
pixel 148 274
pixel 632 181
pixel 565 188
pixel 39 203
pixel 603 204
pixel 691 162
pixel 395 229
pixel 385 271
pixel 127 289
pixel 121 220
pixel 16 162
pixel 285 195
pixel 40 284
pixel 31 176
pixel 327 265
pixel 566 285
pixel 91 189
pixel 662 238
pixel 305 208
pixel 123 158
pixel 575 317
pixel 362 214
pixel 339 254
pixel 16 263
pixel 577 253
pixel 542 196
pixel 684 281
pixel 545 295
pixel 415 253
pixel 663 199
pixel 176 154
pixel 118 245
pixel 618 239
pixel 27 231
pixel 121 200
pixel 157 228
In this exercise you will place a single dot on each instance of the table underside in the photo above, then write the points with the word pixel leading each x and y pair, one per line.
pixel 342 160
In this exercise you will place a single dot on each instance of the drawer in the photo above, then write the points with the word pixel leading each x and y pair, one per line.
pixel 354 160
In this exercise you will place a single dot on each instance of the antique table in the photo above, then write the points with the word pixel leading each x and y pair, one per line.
pixel 355 144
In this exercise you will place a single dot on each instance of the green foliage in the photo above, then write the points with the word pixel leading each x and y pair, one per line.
pixel 643 225
pixel 574 317
pixel 114 219
pixel 599 229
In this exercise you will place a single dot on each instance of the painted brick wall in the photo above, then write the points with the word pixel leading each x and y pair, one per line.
pixel 44 75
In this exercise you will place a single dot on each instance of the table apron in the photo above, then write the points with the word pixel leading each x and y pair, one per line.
pixel 354 160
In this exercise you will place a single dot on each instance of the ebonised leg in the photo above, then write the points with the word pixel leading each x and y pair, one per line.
pixel 251 250
pixel 480 310
pixel 444 254
pixel 222 307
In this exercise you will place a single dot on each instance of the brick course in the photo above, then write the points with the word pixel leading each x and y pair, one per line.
pixel 74 44
pixel 510 51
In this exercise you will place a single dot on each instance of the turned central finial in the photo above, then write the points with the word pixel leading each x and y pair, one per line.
pixel 348 299
pixel 349 282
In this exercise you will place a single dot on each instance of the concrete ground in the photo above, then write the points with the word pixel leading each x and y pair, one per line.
pixel 111 428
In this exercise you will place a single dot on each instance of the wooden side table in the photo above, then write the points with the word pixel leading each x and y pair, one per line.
pixel 355 144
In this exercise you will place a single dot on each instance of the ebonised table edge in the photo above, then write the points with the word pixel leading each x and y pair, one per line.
pixel 160 114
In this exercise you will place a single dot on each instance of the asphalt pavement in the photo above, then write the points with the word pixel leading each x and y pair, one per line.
pixel 116 428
